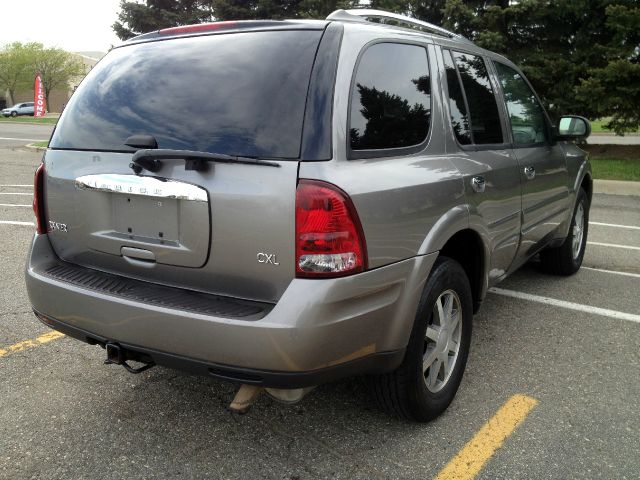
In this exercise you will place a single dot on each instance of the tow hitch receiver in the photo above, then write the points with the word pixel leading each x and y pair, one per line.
pixel 118 356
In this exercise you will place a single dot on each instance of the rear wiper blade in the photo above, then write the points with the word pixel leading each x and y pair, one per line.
pixel 151 159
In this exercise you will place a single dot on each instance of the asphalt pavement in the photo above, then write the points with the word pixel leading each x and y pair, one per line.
pixel 66 415
pixel 18 134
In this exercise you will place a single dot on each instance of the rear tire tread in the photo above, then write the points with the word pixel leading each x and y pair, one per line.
pixel 398 393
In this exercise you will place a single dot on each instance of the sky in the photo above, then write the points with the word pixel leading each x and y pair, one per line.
pixel 74 25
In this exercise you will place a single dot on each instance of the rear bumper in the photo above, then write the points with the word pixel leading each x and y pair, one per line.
pixel 319 330
pixel 377 362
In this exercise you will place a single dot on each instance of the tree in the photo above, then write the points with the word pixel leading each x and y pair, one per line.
pixel 20 63
pixel 57 68
pixel 16 61
pixel 135 18
pixel 614 90
pixel 582 56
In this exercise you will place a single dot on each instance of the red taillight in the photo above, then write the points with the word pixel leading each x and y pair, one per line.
pixel 329 238
pixel 38 199
pixel 201 27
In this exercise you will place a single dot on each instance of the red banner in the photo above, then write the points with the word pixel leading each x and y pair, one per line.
pixel 39 102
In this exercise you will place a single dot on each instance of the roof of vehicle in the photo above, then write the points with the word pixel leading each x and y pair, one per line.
pixel 227 27
pixel 371 17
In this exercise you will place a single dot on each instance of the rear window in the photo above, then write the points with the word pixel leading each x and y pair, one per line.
pixel 238 94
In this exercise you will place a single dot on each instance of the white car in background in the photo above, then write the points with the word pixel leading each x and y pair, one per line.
pixel 19 109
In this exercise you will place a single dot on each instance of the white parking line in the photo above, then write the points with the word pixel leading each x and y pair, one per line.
pixel 16 193
pixel 613 245
pixel 614 272
pixel 23 139
pixel 614 225
pixel 17 185
pixel 568 305
pixel 12 205
pixel 9 222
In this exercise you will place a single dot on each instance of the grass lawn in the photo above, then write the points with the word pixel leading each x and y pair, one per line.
pixel 48 120
pixel 597 126
pixel 615 162
pixel 44 144
pixel 615 169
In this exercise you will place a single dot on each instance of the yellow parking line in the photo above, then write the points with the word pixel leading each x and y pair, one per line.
pixel 46 338
pixel 477 452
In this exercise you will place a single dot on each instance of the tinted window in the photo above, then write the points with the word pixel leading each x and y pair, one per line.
pixel 238 94
pixel 483 109
pixel 527 119
pixel 391 98
pixel 457 105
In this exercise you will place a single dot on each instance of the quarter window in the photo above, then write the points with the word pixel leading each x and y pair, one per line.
pixel 481 101
pixel 525 113
pixel 391 98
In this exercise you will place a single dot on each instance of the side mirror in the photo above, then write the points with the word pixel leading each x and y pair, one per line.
pixel 572 127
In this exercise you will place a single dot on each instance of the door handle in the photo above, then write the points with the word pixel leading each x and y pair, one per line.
pixel 478 184
pixel 529 172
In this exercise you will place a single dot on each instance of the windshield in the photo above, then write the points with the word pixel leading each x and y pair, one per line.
pixel 238 94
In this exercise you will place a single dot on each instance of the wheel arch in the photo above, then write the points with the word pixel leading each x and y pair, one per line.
pixel 453 237
pixel 467 248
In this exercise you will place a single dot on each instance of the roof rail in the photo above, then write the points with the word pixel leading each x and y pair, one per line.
pixel 388 18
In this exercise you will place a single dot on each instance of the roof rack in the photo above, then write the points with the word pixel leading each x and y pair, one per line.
pixel 368 15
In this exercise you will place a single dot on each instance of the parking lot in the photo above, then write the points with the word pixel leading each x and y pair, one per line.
pixel 561 357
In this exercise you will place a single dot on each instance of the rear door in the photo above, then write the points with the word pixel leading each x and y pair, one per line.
pixel 484 157
pixel 545 190
pixel 228 229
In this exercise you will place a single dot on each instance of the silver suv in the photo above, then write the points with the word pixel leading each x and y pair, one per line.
pixel 284 203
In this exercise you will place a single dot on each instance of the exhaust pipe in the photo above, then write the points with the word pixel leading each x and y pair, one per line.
pixel 247 395
pixel 288 396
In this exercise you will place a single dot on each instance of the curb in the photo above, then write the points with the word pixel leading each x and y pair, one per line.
pixel 616 187
pixel 33 147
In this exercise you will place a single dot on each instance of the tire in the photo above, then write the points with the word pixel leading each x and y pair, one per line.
pixel 567 258
pixel 410 392
pixel 14 114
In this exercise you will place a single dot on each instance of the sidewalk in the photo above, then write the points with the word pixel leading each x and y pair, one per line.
pixel 616 187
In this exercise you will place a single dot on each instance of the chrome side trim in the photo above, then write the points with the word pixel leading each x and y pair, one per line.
pixel 145 186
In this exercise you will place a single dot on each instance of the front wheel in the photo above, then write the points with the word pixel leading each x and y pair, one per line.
pixel 424 385
pixel 14 114
pixel 567 258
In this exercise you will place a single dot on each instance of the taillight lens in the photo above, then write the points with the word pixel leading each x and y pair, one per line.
pixel 329 238
pixel 201 27
pixel 38 199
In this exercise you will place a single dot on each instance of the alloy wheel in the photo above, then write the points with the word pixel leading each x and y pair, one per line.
pixel 442 341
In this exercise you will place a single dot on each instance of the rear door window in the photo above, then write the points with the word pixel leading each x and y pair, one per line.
pixel 390 100
pixel 238 94
pixel 486 127
pixel 457 103
pixel 527 119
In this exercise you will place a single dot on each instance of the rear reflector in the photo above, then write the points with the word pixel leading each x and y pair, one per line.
pixel 329 237
pixel 202 27
pixel 38 199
